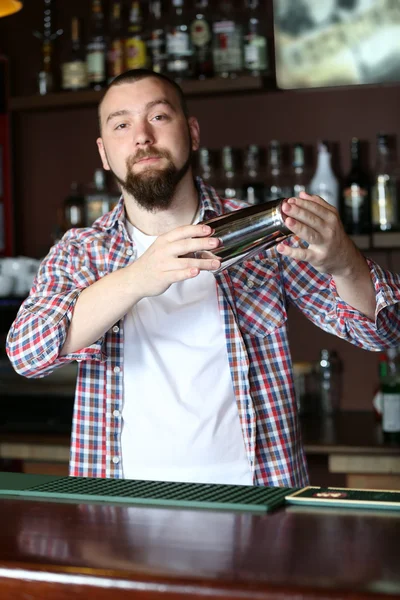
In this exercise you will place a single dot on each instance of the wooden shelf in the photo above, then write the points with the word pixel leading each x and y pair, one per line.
pixel 386 240
pixel 214 86
pixel 363 242
pixel 378 241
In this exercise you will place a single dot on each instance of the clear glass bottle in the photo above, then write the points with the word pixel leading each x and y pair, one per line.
pixel 74 69
pixel 96 48
pixel 179 44
pixel 298 169
pixel 157 38
pixel 324 182
pixel 276 186
pixel 201 36
pixel 227 42
pixel 97 201
pixel 230 187
pixel 385 215
pixel 255 43
pixel 135 44
pixel 330 381
pixel 253 187
pixel 356 195
pixel 206 170
pixel 74 208
pixel 115 55
pixel 46 80
pixel 390 387
pixel 45 76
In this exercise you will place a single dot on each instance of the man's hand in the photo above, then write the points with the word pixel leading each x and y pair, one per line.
pixel 171 258
pixel 330 250
pixel 315 221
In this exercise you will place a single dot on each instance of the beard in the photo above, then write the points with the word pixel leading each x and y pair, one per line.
pixel 153 188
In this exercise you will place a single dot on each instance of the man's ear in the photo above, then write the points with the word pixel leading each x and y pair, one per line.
pixel 194 129
pixel 103 156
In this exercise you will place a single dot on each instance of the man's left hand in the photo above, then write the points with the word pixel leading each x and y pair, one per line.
pixel 315 221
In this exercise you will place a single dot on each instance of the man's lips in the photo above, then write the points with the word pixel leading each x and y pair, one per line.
pixel 147 159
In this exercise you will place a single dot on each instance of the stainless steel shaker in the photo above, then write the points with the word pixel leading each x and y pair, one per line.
pixel 244 232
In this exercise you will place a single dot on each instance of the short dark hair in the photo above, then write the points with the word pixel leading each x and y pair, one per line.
pixel 134 75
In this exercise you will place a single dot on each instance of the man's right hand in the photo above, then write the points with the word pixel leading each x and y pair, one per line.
pixel 168 260
pixel 171 259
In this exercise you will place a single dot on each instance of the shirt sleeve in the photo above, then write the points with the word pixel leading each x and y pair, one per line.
pixel 316 296
pixel 40 329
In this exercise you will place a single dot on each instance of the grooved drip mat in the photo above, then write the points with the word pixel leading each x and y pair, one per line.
pixel 158 493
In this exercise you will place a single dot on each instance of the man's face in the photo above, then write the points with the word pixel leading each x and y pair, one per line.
pixel 147 142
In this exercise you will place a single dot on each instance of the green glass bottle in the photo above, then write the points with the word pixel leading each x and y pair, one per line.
pixel 390 386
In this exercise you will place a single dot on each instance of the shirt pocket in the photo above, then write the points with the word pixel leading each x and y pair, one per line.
pixel 259 296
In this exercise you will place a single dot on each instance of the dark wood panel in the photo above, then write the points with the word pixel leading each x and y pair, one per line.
pixel 65 100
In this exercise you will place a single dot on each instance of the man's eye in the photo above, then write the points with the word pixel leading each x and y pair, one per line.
pixel 121 126
pixel 160 117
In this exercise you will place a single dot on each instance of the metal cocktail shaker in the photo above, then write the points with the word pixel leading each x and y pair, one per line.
pixel 244 232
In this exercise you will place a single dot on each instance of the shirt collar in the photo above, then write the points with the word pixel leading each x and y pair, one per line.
pixel 210 206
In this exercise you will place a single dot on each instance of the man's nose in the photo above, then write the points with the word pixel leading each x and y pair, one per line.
pixel 143 135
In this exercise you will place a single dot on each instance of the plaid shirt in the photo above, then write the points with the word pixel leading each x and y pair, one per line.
pixel 253 299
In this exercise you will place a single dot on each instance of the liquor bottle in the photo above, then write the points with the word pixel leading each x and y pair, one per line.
pixel 201 36
pixel 255 44
pixel 45 79
pixel 179 44
pixel 45 75
pixel 324 182
pixel 390 386
pixel 227 42
pixel 135 44
pixel 253 188
pixel 115 55
pixel 96 47
pixel 229 187
pixel 97 200
pixel 74 68
pixel 157 41
pixel 74 208
pixel 384 197
pixel 206 171
pixel 299 176
pixel 377 400
pixel 356 195
pixel 330 370
pixel 276 186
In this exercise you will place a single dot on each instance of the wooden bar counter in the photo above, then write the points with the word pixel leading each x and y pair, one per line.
pixel 70 551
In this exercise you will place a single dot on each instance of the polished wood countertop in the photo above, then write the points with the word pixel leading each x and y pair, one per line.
pixel 95 551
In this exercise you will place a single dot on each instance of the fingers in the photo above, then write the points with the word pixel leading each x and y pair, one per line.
pixel 187 231
pixel 296 253
pixel 317 200
pixel 200 264
pixel 195 246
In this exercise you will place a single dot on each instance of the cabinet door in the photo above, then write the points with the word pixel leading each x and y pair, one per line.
pixel 6 237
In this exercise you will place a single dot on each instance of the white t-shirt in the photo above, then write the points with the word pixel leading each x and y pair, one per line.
pixel 180 418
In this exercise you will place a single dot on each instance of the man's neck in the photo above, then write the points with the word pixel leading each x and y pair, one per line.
pixel 182 210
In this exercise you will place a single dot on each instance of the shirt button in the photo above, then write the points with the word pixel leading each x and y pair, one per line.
pixel 117 369
pixel 250 283
pixel 129 251
pixel 115 460
pixel 116 413
pixel 115 329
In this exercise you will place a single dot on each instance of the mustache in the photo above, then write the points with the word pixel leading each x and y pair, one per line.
pixel 150 153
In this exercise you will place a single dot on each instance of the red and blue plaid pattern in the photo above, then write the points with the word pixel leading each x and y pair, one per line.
pixel 253 299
